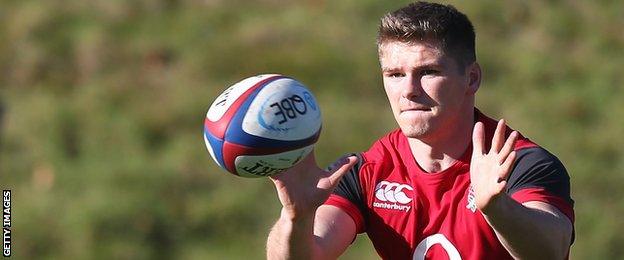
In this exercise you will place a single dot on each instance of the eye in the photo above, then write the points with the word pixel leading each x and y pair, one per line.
pixel 395 75
pixel 429 72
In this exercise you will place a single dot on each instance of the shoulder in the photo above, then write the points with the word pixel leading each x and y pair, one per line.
pixel 536 170
pixel 386 149
pixel 536 155
pixel 380 158
pixel 538 175
pixel 535 165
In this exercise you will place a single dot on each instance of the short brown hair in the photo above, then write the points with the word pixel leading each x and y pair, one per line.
pixel 422 21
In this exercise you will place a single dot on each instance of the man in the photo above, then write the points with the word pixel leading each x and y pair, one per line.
pixel 451 183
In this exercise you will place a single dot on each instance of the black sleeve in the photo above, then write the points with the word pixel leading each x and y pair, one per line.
pixel 537 168
pixel 349 186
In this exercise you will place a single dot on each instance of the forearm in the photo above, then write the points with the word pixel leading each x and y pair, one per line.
pixel 306 229
pixel 292 238
pixel 528 233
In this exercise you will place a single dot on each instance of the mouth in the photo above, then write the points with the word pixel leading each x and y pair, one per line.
pixel 416 109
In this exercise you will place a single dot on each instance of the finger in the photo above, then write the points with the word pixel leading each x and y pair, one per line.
pixel 499 136
pixel 507 165
pixel 340 168
pixel 337 164
pixel 508 147
pixel 477 139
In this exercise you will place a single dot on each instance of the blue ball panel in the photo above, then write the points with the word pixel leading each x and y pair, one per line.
pixel 217 147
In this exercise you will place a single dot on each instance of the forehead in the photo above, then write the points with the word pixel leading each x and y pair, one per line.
pixel 396 53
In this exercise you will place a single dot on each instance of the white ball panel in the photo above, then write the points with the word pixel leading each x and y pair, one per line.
pixel 270 164
pixel 231 94
pixel 283 110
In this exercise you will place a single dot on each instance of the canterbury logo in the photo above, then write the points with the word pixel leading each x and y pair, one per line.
pixel 392 192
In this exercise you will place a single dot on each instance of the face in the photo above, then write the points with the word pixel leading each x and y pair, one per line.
pixel 427 90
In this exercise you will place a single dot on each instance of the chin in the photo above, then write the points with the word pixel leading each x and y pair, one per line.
pixel 415 130
pixel 416 125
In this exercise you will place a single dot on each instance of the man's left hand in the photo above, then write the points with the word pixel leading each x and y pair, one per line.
pixel 489 169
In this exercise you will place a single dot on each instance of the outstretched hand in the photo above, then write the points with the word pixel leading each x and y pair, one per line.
pixel 489 169
pixel 304 187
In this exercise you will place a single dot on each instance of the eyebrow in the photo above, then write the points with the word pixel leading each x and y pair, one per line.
pixel 432 65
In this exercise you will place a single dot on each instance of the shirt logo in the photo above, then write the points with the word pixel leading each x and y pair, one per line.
pixel 392 196
pixel 472 204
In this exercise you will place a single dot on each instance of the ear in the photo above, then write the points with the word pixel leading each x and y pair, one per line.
pixel 474 77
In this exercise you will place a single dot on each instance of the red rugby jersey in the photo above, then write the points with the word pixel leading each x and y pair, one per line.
pixel 410 214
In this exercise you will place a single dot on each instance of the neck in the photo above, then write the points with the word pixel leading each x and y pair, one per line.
pixel 438 152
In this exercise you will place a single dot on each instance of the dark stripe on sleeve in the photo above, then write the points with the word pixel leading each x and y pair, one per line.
pixel 537 168
pixel 349 186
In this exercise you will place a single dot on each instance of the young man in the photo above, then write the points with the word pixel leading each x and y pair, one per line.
pixel 450 183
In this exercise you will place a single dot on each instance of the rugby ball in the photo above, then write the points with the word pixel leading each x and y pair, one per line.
pixel 262 125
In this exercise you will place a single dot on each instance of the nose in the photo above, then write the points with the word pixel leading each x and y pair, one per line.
pixel 411 87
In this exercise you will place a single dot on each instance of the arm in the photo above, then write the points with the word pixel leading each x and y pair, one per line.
pixel 533 230
pixel 305 229
pixel 327 237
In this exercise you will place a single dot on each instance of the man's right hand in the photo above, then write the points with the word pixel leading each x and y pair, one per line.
pixel 306 229
pixel 304 187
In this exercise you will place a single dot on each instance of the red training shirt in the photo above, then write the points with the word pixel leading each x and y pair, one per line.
pixel 410 214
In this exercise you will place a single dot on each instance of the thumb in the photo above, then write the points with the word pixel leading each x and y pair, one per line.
pixel 340 168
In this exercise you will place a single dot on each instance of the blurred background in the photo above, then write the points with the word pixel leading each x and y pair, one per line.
pixel 102 105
